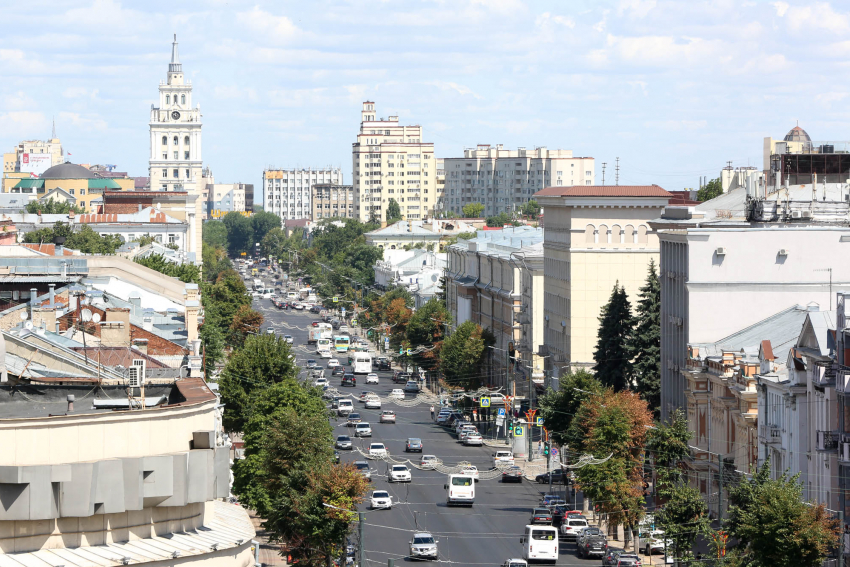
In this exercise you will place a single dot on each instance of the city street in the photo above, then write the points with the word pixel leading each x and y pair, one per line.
pixel 486 534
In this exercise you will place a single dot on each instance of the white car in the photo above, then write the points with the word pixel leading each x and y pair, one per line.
pixel 288 338
pixel 473 439
pixel 428 461
pixel 362 430
pixel 653 541
pixel 399 473
pixel 377 450
pixel 381 500
pixel 397 394
pixel 320 382
pixel 503 458
pixel 466 431
pixel 469 470
pixel 387 416
pixel 373 402
pixel 299 307
pixel 372 378
pixel 333 363
pixel 570 527
pixel 325 353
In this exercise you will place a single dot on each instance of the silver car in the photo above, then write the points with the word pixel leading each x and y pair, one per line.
pixel 423 545
pixel 363 468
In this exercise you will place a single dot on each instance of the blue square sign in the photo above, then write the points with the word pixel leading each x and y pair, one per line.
pixel 519 431
pixel 502 412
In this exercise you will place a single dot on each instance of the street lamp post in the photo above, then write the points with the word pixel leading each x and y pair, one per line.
pixel 360 530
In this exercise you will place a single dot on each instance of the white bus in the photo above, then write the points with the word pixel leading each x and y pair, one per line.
pixel 461 490
pixel 540 543
pixel 323 348
pixel 362 363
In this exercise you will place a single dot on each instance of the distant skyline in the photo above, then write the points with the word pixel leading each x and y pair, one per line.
pixel 675 89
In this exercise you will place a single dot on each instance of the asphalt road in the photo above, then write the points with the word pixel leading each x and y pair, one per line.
pixel 486 534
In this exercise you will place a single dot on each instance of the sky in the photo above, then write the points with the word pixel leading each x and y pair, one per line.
pixel 674 89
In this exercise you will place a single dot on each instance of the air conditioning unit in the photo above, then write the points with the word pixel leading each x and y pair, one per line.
pixel 136 373
pixel 721 251
pixel 796 214
pixel 783 252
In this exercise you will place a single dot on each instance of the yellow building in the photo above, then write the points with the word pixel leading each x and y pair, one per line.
pixel 594 237
pixel 85 185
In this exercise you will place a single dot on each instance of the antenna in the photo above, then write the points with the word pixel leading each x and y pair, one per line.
pixel 617 172
pixel 603 172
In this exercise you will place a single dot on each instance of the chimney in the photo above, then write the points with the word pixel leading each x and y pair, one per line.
pixel 136 300
pixel 70 399
pixel 147 325
pixel 52 295
pixel 33 295
pixel 141 345
pixel 115 330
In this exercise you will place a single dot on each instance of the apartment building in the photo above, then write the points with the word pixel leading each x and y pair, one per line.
pixel 595 237
pixel 331 201
pixel 390 161
pixel 504 180
pixel 34 156
pixel 288 192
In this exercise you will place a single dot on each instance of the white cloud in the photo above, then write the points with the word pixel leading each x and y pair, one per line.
pixel 18 101
pixel 450 86
pixel 813 16
pixel 678 124
pixel 501 6
pixel 83 123
pixel 23 123
pixel 271 28
pixel 781 8
pixel 637 8
pixel 234 92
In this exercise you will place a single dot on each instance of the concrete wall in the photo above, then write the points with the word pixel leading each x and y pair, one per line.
pixel 116 266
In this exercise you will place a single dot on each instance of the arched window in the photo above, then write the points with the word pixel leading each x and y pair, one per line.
pixel 642 239
pixel 164 141
pixel 392 247
pixel 616 234
pixel 186 141
pixel 630 235
pixel 167 99
pixel 603 234
pixel 589 234
pixel 175 141
pixel 182 99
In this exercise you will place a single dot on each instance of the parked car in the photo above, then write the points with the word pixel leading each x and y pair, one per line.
pixel 371 378
pixel 398 473
pixel 387 416
pixel 423 546
pixel 380 500
pixel 343 442
pixel 428 461
pixel 512 474
pixel 653 541
pixel 362 430
pixel 414 444
pixel 591 542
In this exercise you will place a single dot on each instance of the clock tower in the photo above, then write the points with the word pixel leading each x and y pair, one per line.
pixel 175 157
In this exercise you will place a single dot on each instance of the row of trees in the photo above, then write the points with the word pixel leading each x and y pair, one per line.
pixel 84 238
pixel 237 233
pixel 51 207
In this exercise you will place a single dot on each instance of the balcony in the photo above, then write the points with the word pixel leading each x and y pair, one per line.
pixel 844 452
pixel 825 380
pixel 827 441
pixel 770 434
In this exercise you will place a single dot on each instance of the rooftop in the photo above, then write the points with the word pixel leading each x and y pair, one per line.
pixel 604 191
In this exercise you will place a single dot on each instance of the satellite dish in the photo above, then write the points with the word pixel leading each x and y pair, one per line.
pixel 86 315
pixel 24 315
pixel 96 317
pixel 28 325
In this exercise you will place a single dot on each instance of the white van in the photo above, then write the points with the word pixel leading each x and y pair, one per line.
pixel 540 543
pixel 345 407
pixel 461 490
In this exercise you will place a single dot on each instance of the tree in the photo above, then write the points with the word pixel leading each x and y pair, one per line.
pixel 273 243
pixel 501 219
pixel 557 408
pixel 426 328
pixel 710 190
pixel 775 527
pixel 215 261
pixel 245 322
pixel 393 211
pixel 462 355
pixel 262 361
pixel 51 207
pixel 473 210
pixel 613 361
pixel 668 444
pixel 531 209
pixel 186 273
pixel 645 345
pixel 240 233
pixel 262 222
pixel 683 517
pixel 215 233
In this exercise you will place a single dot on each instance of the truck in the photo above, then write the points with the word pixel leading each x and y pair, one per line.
pixel 258 283
pixel 320 331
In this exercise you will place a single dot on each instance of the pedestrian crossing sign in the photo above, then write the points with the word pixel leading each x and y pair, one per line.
pixel 336 300
pixel 485 402
pixel 519 431
pixel 539 422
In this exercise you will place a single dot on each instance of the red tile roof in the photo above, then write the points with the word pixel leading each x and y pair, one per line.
pixel 49 249
pixel 604 191
pixel 767 350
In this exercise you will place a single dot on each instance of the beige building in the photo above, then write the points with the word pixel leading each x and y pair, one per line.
pixel 288 192
pixel 85 185
pixel 504 180
pixel 330 201
pixel 391 161
pixel 34 156
pixel 595 236
pixel 432 235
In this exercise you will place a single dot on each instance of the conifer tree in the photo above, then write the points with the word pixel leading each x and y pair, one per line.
pixel 613 360
pixel 645 346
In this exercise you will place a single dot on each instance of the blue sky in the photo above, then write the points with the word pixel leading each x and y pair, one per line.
pixel 675 89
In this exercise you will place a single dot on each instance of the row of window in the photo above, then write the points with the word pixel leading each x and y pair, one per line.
pixel 176 140
pixel 176 155
pixel 175 173
pixel 182 99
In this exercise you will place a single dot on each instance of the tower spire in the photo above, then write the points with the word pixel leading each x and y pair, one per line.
pixel 175 66
pixel 54 129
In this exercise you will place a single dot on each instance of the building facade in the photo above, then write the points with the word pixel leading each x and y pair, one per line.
pixel 34 156
pixel 287 192
pixel 391 161
pixel 84 185
pixel 432 235
pixel 595 237
pixel 331 201
pixel 504 180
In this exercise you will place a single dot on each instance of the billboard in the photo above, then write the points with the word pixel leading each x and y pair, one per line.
pixel 35 163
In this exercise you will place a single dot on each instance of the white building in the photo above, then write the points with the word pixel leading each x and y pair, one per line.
pixel 504 180
pixel 286 192
pixel 390 161
pixel 409 268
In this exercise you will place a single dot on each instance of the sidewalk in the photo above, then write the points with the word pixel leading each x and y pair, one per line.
pixel 269 552
pixel 596 520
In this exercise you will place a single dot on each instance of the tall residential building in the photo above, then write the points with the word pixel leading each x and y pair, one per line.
pixel 175 128
pixel 594 237
pixel 34 156
pixel 504 180
pixel 390 161
pixel 331 201
pixel 286 192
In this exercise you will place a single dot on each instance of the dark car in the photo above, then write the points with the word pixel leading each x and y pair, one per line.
pixel 558 513
pixel 512 474
pixel 558 477
pixel 591 543
pixel 338 371
pixel 349 380
pixel 384 364
pixel 413 445
pixel 541 516
pixel 401 378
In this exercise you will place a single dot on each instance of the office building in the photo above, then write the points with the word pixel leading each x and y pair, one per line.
pixel 330 201
pixel 391 161
pixel 287 192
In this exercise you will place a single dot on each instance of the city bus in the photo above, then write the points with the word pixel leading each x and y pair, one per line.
pixel 354 350
pixel 323 348
pixel 362 362
pixel 341 343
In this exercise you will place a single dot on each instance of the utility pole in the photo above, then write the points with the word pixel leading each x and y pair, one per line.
pixel 361 563
pixel 720 489
pixel 617 172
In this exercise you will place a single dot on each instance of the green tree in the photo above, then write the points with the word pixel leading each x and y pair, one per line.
pixel 683 518
pixel 775 527
pixel 246 322
pixel 531 209
pixel 557 408
pixel 645 345
pixel 426 329
pixel 613 361
pixel 710 190
pixel 215 261
pixel 473 210
pixel 51 207
pixel 462 355
pixel 668 445
pixel 240 233
pixel 262 222
pixel 273 243
pixel 186 273
pixel 262 361
pixel 393 211
pixel 501 219
pixel 215 233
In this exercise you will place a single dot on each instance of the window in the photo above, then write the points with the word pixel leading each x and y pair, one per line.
pixel 164 173
pixel 175 140
pixel 71 191
pixel 175 155
pixel 182 99
pixel 164 141
pixel 187 174
pixel 186 155
pixel 176 174
pixel 186 141
pixel 172 239
pixel 164 155
pixel 167 99
pixel 82 191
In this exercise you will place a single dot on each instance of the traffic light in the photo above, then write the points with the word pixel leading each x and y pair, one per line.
pixel 546 449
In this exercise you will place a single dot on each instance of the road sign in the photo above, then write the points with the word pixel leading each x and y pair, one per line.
pixel 519 431
pixel 554 451
pixel 386 343
pixel 343 311
pixel 501 412
pixel 336 300
pixel 354 321
pixel 409 351
pixel 539 422
pixel 485 402
pixel 500 421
